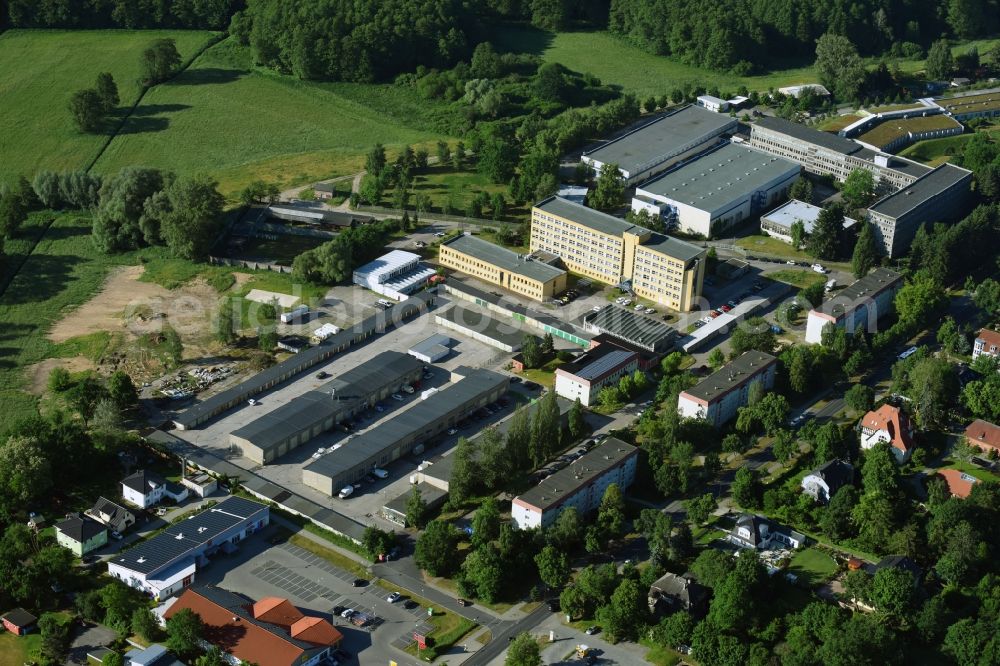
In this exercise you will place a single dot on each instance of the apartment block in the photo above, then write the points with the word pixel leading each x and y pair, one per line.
pixel 608 249
pixel 584 377
pixel 717 397
pixel 863 303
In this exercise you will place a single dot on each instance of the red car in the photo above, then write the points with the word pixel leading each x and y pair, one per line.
pixel 725 308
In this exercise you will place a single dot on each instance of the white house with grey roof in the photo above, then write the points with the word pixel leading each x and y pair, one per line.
pixel 166 563
pixel 661 143
pixel 583 378
pixel 717 397
pixel 145 489
pixel 718 190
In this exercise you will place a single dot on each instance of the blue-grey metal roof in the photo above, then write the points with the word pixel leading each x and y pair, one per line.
pixel 816 137
pixel 418 418
pixel 631 326
pixel 717 179
pixel 180 539
pixel 920 191
pixel 605 364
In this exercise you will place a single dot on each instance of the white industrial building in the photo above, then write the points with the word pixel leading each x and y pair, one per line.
pixel 581 484
pixel 165 564
pixel 717 397
pixel 863 303
pixel 661 143
pixel 718 190
pixel 713 103
pixel 778 223
pixel 396 274
pixel 432 349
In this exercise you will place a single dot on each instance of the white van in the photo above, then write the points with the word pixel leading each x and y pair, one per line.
pixel 346 492
pixel 380 473
pixel 830 286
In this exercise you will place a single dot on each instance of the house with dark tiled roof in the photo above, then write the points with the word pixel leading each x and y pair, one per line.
pixel 753 531
pixel 823 482
pixel 145 489
pixel 81 535
pixel 672 593
pixel 889 424
pixel 18 621
pixel 114 515
pixel 269 632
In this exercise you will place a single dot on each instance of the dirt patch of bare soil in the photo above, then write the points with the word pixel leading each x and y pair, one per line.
pixel 127 305
pixel 38 374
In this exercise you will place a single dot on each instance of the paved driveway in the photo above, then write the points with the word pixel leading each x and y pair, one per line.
pixel 88 639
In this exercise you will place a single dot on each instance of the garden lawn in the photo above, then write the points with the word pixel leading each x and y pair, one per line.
pixel 801 277
pixel 812 565
pixel 19 650
pixel 238 124
pixel 39 72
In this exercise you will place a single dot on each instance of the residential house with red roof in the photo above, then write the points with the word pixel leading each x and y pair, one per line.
pixel 269 632
pixel 959 483
pixel 888 424
pixel 983 435
pixel 987 344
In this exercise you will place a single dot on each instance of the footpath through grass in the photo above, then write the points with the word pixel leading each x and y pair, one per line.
pixel 39 72
pixel 237 123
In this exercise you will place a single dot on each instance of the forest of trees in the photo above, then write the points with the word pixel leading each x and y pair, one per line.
pixel 199 14
pixel 736 34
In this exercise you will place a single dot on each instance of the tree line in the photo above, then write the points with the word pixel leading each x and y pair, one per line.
pixel 133 14
pixel 739 35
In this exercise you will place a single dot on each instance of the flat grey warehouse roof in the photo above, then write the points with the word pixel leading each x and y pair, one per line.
pixel 595 219
pixel 716 179
pixel 509 332
pixel 922 190
pixel 180 538
pixel 504 258
pixel 337 395
pixel 662 138
pixel 387 435
pixel 563 483
pixel 730 375
pixel 826 140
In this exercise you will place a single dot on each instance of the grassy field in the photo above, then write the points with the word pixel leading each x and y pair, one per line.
pixel 797 277
pixel 225 118
pixel 646 74
pixel 936 151
pixel 444 185
pixel 19 650
pixel 39 72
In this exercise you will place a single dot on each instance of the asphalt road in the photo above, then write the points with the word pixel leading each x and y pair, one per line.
pixel 502 633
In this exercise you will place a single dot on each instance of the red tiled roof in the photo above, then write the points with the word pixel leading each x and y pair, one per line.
pixel 243 637
pixel 316 630
pixel 991 337
pixel 983 434
pixel 893 421
pixel 277 611
pixel 959 484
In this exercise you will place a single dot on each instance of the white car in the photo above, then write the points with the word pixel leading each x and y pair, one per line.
pixel 439 234
pixel 394 597
pixel 819 268
pixel 396 396
pixel 347 612
pixel 597 308
pixel 649 311
pixel 706 320
pixel 639 307
pixel 251 402
pixel 346 492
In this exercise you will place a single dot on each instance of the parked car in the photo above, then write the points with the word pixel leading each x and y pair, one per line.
pixel 531 386
pixel 591 630
pixel 410 604
pixel 116 535
pixel 359 582
pixel 337 610
pixel 394 597
pixel 819 268
pixel 396 396
pixel 346 492
pixel 597 308
pixel 347 613
pixel 463 602
pixel 251 402
pixel 439 234
pixel 452 431
pixel 725 308
pixel 322 375
pixel 553 605
pixel 379 407
pixel 699 324
pixel 380 473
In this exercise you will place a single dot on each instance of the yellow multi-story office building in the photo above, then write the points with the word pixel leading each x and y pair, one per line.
pixel 603 247
pixel 528 275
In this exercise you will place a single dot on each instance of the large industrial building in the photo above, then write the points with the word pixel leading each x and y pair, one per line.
pixel 822 153
pixel 583 378
pixel 581 484
pixel 939 196
pixel 376 324
pixel 471 389
pixel 778 223
pixel 717 397
pixel 479 324
pixel 166 563
pixel 396 274
pixel 508 308
pixel 302 418
pixel 606 248
pixel 662 143
pixel 532 275
pixel 863 303
pixel 717 191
